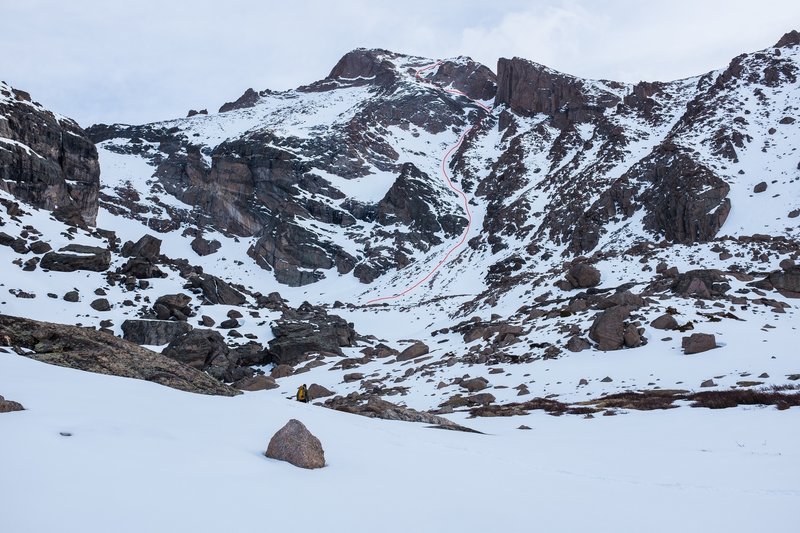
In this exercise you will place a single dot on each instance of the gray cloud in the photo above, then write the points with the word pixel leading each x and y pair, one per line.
pixel 102 61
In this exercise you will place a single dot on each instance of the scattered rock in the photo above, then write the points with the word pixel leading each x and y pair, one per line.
pixel 787 281
pixel 760 187
pixel 308 330
pixel 173 306
pixel 229 324
pixel 203 349
pixel 708 383
pixel 295 444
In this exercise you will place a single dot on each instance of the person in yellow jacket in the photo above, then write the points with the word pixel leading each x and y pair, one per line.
pixel 302 393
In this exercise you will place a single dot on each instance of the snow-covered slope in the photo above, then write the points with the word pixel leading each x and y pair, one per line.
pixel 347 191
pixel 141 457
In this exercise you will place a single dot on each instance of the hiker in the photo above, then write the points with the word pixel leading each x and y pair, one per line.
pixel 302 393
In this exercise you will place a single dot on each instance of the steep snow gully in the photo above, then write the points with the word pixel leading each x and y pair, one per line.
pixel 449 182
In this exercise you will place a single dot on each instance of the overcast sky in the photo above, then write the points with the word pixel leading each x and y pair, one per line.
pixel 145 60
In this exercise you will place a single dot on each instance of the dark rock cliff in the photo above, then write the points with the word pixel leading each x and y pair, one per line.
pixel 46 160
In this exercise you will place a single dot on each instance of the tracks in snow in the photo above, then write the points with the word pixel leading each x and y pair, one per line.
pixel 447 155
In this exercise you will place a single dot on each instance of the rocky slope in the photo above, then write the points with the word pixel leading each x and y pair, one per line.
pixel 622 237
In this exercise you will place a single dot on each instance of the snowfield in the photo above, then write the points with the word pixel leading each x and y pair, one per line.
pixel 142 457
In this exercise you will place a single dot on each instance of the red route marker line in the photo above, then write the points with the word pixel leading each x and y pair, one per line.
pixel 446 156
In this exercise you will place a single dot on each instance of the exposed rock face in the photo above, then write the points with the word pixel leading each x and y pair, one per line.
pixel 248 99
pixel 686 202
pixel 698 342
pixel 203 349
pixel 308 330
pixel 75 257
pixel 295 444
pixel 269 185
pixel 93 351
pixel 529 88
pixel 153 332
pixel 47 160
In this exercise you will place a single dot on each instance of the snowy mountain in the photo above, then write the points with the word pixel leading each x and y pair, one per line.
pixel 441 189
pixel 421 240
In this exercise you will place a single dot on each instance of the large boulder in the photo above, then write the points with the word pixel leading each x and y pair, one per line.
pixel 295 444
pixel 141 268
pixel 698 342
pixel 475 384
pixel 216 291
pixel 204 247
pixel 665 321
pixel 153 332
pixel 7 406
pixel 608 328
pixel 77 257
pixel 203 349
pixel 148 247
pixel 787 281
pixel 418 349
pixel 583 276
pixel 318 391
pixel 173 306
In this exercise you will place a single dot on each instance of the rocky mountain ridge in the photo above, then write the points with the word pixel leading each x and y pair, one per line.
pixel 606 217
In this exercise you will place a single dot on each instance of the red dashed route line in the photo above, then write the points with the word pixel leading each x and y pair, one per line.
pixel 450 184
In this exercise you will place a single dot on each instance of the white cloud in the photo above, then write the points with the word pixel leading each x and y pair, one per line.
pixel 152 59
